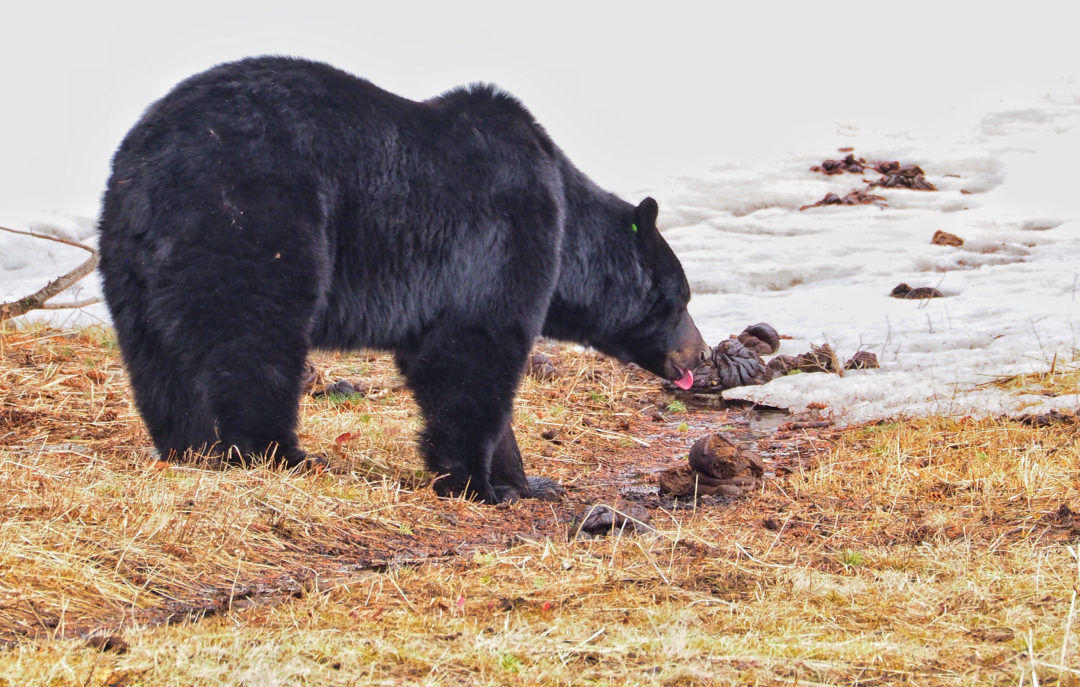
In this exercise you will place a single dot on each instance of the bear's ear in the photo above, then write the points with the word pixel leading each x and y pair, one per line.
pixel 645 216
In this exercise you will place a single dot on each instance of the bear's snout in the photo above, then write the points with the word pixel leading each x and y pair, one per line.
pixel 688 350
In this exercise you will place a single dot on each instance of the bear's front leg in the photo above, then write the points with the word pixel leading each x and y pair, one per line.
pixel 464 379
pixel 508 473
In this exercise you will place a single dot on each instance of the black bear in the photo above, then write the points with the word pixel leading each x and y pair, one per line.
pixel 274 205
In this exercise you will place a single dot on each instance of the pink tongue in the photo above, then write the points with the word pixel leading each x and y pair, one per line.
pixel 686 381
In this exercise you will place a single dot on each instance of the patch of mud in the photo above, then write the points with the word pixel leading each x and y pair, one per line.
pixel 781 442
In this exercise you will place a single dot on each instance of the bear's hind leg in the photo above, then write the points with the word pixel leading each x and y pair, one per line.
pixel 175 415
pixel 253 385
pixel 252 271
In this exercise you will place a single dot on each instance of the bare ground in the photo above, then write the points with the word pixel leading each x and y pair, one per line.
pixel 932 551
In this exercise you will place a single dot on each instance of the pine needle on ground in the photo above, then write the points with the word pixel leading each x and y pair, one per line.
pixel 931 551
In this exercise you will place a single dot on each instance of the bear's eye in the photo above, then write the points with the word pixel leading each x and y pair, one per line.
pixel 633 228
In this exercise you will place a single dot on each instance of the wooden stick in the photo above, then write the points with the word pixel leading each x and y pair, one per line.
pixel 36 300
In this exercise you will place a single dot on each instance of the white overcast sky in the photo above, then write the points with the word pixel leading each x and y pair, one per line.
pixel 633 91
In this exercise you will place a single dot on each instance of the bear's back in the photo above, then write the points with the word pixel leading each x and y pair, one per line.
pixel 273 115
pixel 281 108
pixel 457 188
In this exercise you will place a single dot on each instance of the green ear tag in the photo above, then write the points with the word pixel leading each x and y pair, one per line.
pixel 633 228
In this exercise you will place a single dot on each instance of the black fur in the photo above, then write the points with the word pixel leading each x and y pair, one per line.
pixel 273 205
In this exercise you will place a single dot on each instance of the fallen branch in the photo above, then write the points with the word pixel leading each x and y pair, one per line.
pixel 37 300
pixel 69 306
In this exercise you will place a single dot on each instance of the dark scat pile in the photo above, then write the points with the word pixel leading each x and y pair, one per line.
pixel 855 197
pixel 716 465
pixel 848 164
pixel 905 291
pixel 897 176
pixel 893 175
pixel 821 359
pixel 738 361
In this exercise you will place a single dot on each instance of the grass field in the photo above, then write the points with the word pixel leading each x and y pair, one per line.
pixel 926 551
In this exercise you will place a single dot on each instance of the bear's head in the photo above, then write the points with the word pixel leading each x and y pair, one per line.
pixel 664 340
pixel 622 291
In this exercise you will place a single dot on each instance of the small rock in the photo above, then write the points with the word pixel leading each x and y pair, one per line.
pixel 904 291
pixel 342 387
pixel 944 238
pixel 604 520
pixel 373 388
pixel 541 367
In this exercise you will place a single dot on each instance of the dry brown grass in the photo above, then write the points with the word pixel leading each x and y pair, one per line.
pixel 1060 379
pixel 936 551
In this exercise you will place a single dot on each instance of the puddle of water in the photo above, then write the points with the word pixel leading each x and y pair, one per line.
pixel 639 492
pixel 766 419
